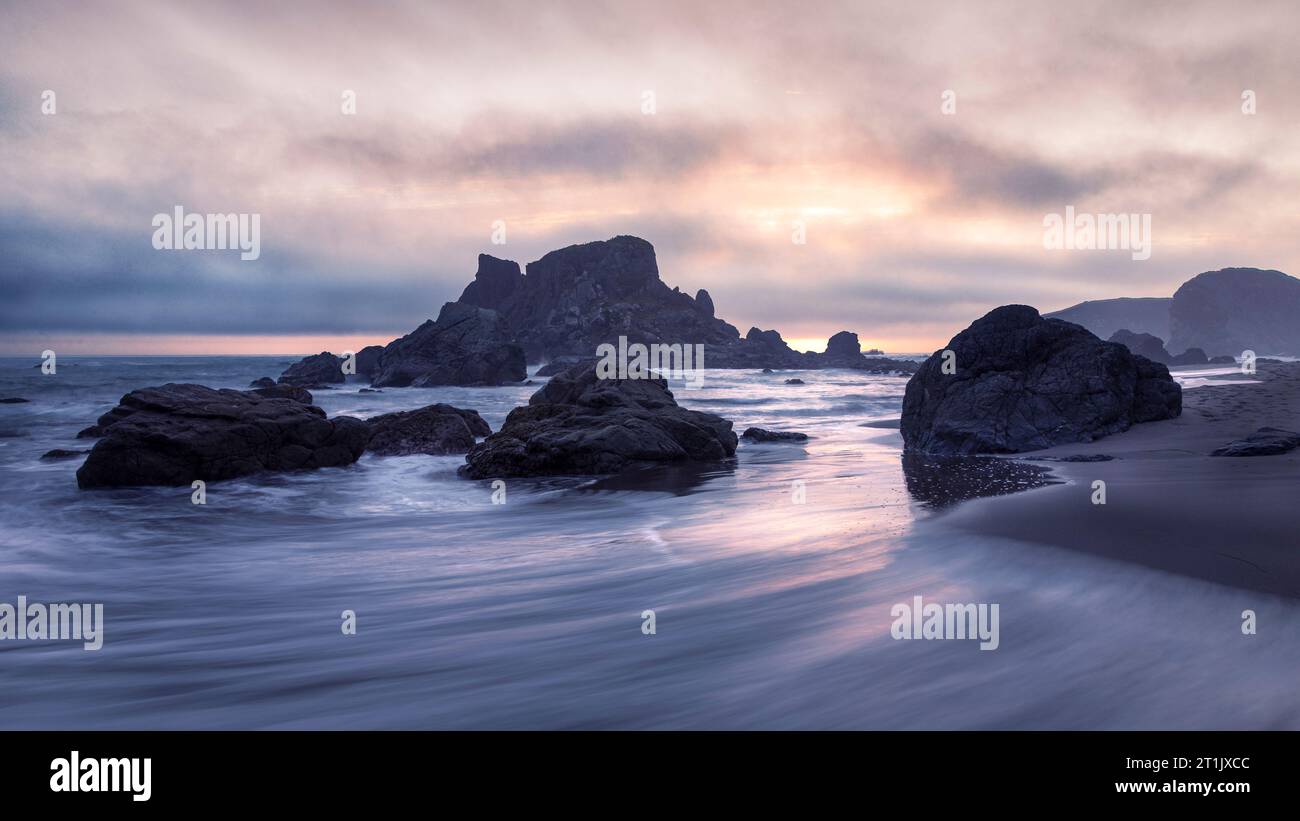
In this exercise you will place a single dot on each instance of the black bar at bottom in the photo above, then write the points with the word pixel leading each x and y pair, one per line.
pixel 211 770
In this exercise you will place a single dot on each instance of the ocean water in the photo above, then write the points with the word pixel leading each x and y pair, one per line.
pixel 769 613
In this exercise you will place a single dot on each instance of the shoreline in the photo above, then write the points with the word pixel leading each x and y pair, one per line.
pixel 1169 504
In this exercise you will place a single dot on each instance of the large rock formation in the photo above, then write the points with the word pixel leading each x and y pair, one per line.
pixel 1237 309
pixel 578 424
pixel 176 433
pixel 1144 315
pixel 323 368
pixel 435 429
pixel 465 346
pixel 1022 382
pixel 574 299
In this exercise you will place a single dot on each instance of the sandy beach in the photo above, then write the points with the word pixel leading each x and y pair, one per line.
pixel 1169 504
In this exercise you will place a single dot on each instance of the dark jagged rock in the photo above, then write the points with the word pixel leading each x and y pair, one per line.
pixel 574 299
pixel 1023 382
pixel 578 424
pixel 496 281
pixel 560 364
pixel 844 345
pixel 1263 442
pixel 768 370
pixel 368 360
pixel 369 390
pixel 704 302
pixel 465 346
pixel 435 430
pixel 264 382
pixel 1142 344
pixel 176 433
pixel 1153 348
pixel 60 453
pixel 1221 360
pixel 14 400
pixel 794 382
pixel 763 435
pixel 759 349
pixel 286 391
pixel 1237 309
pixel 323 368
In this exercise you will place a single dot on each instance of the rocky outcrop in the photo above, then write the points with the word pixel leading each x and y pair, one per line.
pixel 176 433
pixel 1143 315
pixel 368 361
pixel 578 424
pixel 1237 309
pixel 574 299
pixel 285 391
pixel 435 430
pixel 1263 442
pixel 763 435
pixel 465 346
pixel 323 368
pixel 560 364
pixel 14 400
pixel 1153 348
pixel 843 346
pixel 759 349
pixel 1022 382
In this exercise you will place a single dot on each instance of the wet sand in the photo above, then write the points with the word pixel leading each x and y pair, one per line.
pixel 1169 504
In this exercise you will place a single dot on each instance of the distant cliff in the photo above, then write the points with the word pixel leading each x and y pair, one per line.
pixel 1148 315
pixel 1237 309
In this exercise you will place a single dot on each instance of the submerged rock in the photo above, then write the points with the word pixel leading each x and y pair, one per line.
pixel 435 430
pixel 578 424
pixel 14 400
pixel 286 391
pixel 1022 382
pixel 763 435
pixel 60 453
pixel 176 433
pixel 794 382
pixel 465 346
pixel 1263 442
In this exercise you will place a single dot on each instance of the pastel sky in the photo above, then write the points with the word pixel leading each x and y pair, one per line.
pixel 826 113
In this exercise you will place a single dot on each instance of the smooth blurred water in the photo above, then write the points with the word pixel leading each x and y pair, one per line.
pixel 770 614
